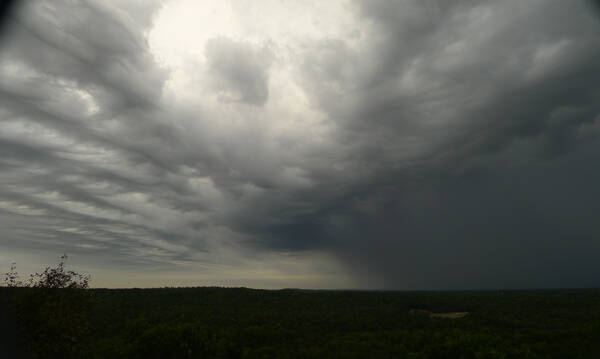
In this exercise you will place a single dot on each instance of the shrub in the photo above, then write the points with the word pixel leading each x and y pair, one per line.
pixel 51 311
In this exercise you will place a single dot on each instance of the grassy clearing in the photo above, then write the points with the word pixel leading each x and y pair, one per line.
pixel 430 314
pixel 453 315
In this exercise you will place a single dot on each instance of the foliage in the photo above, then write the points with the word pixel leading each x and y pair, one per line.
pixel 60 278
pixel 55 278
pixel 50 310
pixel 11 278
pixel 245 323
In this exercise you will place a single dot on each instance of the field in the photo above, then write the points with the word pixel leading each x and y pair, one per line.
pixel 246 323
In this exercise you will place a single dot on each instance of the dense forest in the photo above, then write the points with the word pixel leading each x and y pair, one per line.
pixel 209 322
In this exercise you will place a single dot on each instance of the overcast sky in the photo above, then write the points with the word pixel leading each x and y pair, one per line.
pixel 400 144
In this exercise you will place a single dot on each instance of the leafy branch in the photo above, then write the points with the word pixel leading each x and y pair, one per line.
pixel 57 277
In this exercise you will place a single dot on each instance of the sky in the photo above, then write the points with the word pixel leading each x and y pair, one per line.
pixel 367 144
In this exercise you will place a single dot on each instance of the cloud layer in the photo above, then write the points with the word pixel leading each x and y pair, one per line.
pixel 398 144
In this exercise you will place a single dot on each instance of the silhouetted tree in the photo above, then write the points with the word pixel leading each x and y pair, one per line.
pixel 11 278
pixel 51 310
pixel 59 277
pixel 55 278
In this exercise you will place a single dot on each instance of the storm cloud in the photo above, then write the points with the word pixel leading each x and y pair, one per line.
pixel 370 144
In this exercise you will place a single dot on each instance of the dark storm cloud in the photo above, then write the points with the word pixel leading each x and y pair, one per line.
pixel 502 200
pixel 240 71
pixel 93 45
pixel 460 150
pixel 481 172
pixel 6 11
pixel 95 161
pixel 79 93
